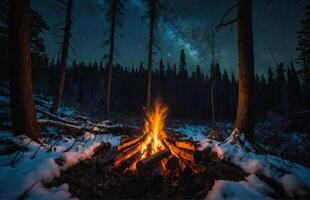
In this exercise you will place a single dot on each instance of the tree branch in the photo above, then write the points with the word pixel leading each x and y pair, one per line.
pixel 226 23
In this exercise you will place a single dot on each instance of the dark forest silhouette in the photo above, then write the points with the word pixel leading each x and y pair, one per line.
pixel 188 96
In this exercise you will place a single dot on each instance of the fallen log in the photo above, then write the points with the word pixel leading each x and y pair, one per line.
pixel 147 163
pixel 55 117
pixel 69 127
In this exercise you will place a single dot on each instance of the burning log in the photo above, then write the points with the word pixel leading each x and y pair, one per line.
pixel 147 163
pixel 123 155
pixel 172 163
pixel 186 144
pixel 124 164
pixel 184 153
pixel 124 139
pixel 131 143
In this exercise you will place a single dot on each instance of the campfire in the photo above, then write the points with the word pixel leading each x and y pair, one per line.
pixel 154 151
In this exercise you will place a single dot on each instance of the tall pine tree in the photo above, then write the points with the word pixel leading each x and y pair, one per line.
pixel 182 66
pixel 22 104
pixel 113 15
pixel 64 55
pixel 153 8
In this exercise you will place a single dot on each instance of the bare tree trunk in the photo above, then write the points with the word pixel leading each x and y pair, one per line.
pixel 110 63
pixel 245 119
pixel 23 114
pixel 212 76
pixel 150 58
pixel 64 56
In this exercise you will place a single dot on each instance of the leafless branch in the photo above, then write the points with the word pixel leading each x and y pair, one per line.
pixel 26 192
pixel 226 23
pixel 222 24
pixel 271 53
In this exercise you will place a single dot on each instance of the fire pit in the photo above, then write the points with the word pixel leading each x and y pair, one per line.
pixel 157 164
pixel 154 151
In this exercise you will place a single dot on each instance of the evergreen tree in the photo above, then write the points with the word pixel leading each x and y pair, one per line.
pixel 168 71
pixel 38 55
pixel 224 99
pixel 280 90
pixel 153 8
pixel 245 118
pixel 23 112
pixel 198 73
pixel 270 90
pixel 294 89
pixel 182 65
pixel 174 70
pixel 113 15
pixel 161 68
pixel 141 68
pixel 303 47
pixel 64 55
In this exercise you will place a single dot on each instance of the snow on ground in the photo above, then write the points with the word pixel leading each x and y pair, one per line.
pixel 199 132
pixel 43 168
pixel 28 172
pixel 196 132
pixel 294 178
pixel 251 188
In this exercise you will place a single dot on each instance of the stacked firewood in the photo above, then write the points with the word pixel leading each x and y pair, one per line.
pixel 177 157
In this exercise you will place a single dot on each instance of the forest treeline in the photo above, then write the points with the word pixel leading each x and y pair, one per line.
pixel 187 94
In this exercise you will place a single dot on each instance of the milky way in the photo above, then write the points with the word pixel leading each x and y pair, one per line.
pixel 275 25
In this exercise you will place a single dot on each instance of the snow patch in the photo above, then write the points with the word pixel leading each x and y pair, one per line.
pixel 293 177
pixel 43 168
pixel 253 188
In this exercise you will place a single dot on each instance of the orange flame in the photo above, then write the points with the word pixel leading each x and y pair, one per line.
pixel 154 128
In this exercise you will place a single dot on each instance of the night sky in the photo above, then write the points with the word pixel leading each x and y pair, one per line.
pixel 275 25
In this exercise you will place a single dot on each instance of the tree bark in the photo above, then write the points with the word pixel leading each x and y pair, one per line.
pixel 64 56
pixel 111 54
pixel 150 54
pixel 23 114
pixel 245 119
pixel 211 43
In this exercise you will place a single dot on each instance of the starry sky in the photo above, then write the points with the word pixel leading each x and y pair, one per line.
pixel 183 24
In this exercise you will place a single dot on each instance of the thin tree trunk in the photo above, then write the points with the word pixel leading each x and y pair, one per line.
pixel 23 114
pixel 64 56
pixel 212 77
pixel 150 59
pixel 245 119
pixel 110 63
